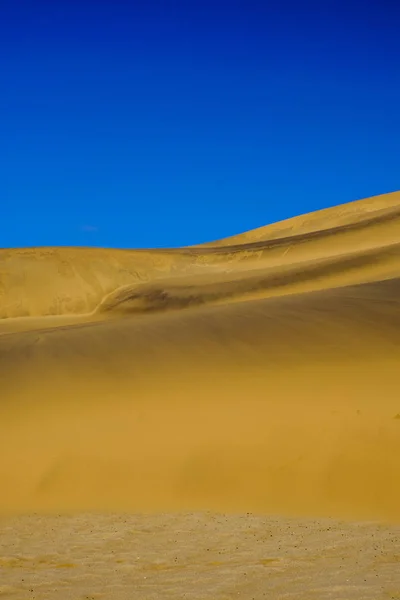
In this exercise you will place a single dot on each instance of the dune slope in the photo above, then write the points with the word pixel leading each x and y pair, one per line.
pixel 258 374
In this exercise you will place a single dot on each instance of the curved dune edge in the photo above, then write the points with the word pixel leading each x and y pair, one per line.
pixel 261 379
pixel 39 282
pixel 352 214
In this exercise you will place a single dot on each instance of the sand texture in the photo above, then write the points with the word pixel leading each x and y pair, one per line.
pixel 197 557
pixel 256 374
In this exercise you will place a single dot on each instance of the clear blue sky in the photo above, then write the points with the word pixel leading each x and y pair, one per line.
pixel 163 123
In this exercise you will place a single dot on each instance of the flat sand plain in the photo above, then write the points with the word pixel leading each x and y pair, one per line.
pixel 197 556
pixel 256 374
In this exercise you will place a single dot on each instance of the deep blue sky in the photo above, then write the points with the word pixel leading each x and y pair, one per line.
pixel 164 123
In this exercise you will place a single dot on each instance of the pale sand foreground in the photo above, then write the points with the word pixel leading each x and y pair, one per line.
pixel 258 373
pixel 196 556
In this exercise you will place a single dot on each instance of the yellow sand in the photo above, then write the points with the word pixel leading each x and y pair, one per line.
pixel 258 373
pixel 202 556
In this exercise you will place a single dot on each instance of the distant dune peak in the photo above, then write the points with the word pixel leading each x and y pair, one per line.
pixel 319 248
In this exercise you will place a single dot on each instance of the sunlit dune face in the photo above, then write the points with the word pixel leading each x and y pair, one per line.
pixel 258 374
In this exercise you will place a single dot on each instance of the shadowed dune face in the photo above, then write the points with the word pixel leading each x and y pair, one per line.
pixel 260 376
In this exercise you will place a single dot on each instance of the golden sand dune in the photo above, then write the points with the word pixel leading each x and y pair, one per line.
pixel 259 373
pixel 353 215
pixel 363 235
